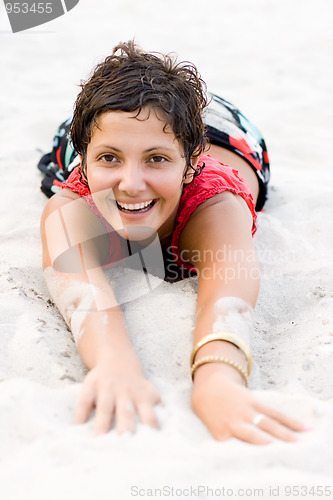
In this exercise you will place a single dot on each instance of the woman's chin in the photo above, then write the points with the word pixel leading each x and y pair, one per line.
pixel 133 232
pixel 136 233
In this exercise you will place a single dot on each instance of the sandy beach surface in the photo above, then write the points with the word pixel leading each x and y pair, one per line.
pixel 273 59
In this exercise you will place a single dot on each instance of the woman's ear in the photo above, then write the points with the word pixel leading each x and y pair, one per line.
pixel 83 168
pixel 188 177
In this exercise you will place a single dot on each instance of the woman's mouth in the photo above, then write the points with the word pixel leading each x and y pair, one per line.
pixel 133 208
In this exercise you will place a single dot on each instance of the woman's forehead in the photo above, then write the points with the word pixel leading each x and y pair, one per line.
pixel 149 123
pixel 153 115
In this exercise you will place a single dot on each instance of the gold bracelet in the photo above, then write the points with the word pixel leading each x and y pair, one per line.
pixel 228 337
pixel 219 359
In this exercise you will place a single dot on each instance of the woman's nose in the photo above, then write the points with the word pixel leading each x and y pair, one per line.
pixel 132 181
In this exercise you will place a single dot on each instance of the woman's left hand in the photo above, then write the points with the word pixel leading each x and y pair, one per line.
pixel 228 410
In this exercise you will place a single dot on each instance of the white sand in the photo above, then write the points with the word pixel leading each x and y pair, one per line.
pixel 273 59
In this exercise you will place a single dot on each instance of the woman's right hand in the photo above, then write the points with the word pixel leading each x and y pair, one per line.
pixel 119 392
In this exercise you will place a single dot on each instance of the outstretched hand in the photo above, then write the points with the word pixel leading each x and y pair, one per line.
pixel 228 410
pixel 119 394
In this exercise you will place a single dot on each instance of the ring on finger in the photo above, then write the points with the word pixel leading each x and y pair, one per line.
pixel 257 419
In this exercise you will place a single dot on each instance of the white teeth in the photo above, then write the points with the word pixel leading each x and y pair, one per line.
pixel 136 206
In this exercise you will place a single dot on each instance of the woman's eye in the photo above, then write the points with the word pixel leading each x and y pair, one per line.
pixel 108 158
pixel 157 159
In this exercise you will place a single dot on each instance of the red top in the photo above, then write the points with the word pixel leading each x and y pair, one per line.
pixel 214 178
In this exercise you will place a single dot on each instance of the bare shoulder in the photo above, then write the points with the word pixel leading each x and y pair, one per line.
pixel 222 201
pixel 60 199
pixel 219 219
pixel 56 202
pixel 68 228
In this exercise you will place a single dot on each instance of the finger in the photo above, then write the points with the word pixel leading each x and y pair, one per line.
pixel 125 415
pixel 104 412
pixel 251 435
pixel 275 429
pixel 282 418
pixel 242 431
pixel 147 415
pixel 85 404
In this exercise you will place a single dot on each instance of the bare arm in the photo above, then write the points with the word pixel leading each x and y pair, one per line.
pixel 228 275
pixel 71 262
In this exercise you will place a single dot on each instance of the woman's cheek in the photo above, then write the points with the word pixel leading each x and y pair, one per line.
pixel 100 179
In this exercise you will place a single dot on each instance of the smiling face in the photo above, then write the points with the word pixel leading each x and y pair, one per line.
pixel 135 169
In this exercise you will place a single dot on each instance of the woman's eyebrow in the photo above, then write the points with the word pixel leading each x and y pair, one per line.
pixel 153 148
pixel 99 146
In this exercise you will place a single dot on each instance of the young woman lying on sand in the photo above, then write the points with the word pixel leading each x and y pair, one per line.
pixel 144 180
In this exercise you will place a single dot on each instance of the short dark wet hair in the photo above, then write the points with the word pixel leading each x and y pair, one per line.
pixel 131 79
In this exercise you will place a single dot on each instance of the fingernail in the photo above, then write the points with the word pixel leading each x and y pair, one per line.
pixel 306 427
pixel 99 433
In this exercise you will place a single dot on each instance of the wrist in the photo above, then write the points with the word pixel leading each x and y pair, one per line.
pixel 222 348
pixel 205 373
pixel 106 348
pixel 231 362
pixel 117 355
